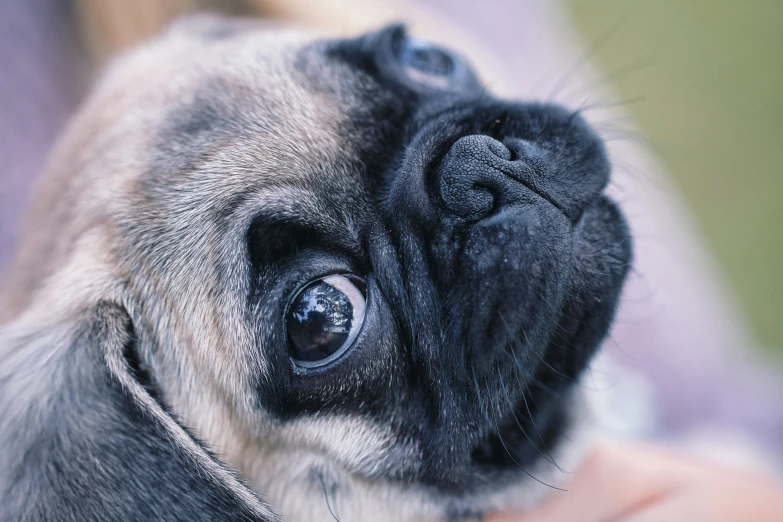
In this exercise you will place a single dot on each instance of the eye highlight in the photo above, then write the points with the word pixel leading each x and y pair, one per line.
pixel 324 319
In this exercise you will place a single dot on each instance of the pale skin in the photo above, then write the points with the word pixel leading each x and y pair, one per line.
pixel 622 482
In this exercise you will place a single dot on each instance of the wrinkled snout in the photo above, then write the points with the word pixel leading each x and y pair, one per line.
pixel 480 174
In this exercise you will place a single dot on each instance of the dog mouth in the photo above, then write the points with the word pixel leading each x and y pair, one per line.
pixel 539 411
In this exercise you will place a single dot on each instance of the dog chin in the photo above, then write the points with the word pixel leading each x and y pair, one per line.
pixel 307 485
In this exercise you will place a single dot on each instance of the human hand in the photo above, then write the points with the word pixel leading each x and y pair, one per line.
pixel 625 482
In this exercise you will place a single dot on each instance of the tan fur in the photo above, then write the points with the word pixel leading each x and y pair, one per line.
pixel 74 253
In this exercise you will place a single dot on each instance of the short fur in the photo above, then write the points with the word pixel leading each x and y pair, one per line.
pixel 211 174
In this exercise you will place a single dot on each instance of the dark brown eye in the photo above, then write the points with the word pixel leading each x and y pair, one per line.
pixel 324 319
pixel 426 58
pixel 425 63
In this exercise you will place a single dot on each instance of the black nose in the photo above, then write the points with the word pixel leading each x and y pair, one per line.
pixel 479 175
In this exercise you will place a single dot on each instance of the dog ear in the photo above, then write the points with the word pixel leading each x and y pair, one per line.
pixel 82 439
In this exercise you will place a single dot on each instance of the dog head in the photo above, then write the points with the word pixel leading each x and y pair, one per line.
pixel 342 266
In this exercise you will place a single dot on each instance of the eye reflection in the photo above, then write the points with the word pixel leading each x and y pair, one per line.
pixel 324 319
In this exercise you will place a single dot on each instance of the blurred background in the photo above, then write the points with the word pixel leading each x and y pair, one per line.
pixel 706 81
pixel 686 94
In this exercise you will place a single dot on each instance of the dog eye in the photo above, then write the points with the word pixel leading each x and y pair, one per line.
pixel 425 63
pixel 324 319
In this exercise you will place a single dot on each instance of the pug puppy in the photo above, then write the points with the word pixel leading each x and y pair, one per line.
pixel 268 274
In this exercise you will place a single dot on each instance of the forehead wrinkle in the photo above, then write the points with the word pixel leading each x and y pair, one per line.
pixel 295 204
pixel 250 91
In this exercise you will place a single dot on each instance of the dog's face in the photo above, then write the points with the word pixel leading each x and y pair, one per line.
pixel 341 260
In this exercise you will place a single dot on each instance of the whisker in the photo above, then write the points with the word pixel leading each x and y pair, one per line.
pixel 543 387
pixel 538 355
pixel 478 394
pixel 582 59
pixel 326 497
pixel 519 424
pixel 526 472
pixel 623 70
pixel 530 414
pixel 610 104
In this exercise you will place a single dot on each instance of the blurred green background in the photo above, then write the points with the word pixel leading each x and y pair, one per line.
pixel 713 111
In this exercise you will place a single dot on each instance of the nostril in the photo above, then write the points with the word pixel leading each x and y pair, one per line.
pixel 489 191
pixel 478 175
pixel 528 152
pixel 498 149
pixel 469 182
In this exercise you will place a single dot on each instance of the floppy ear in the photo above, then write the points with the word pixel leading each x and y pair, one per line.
pixel 82 439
